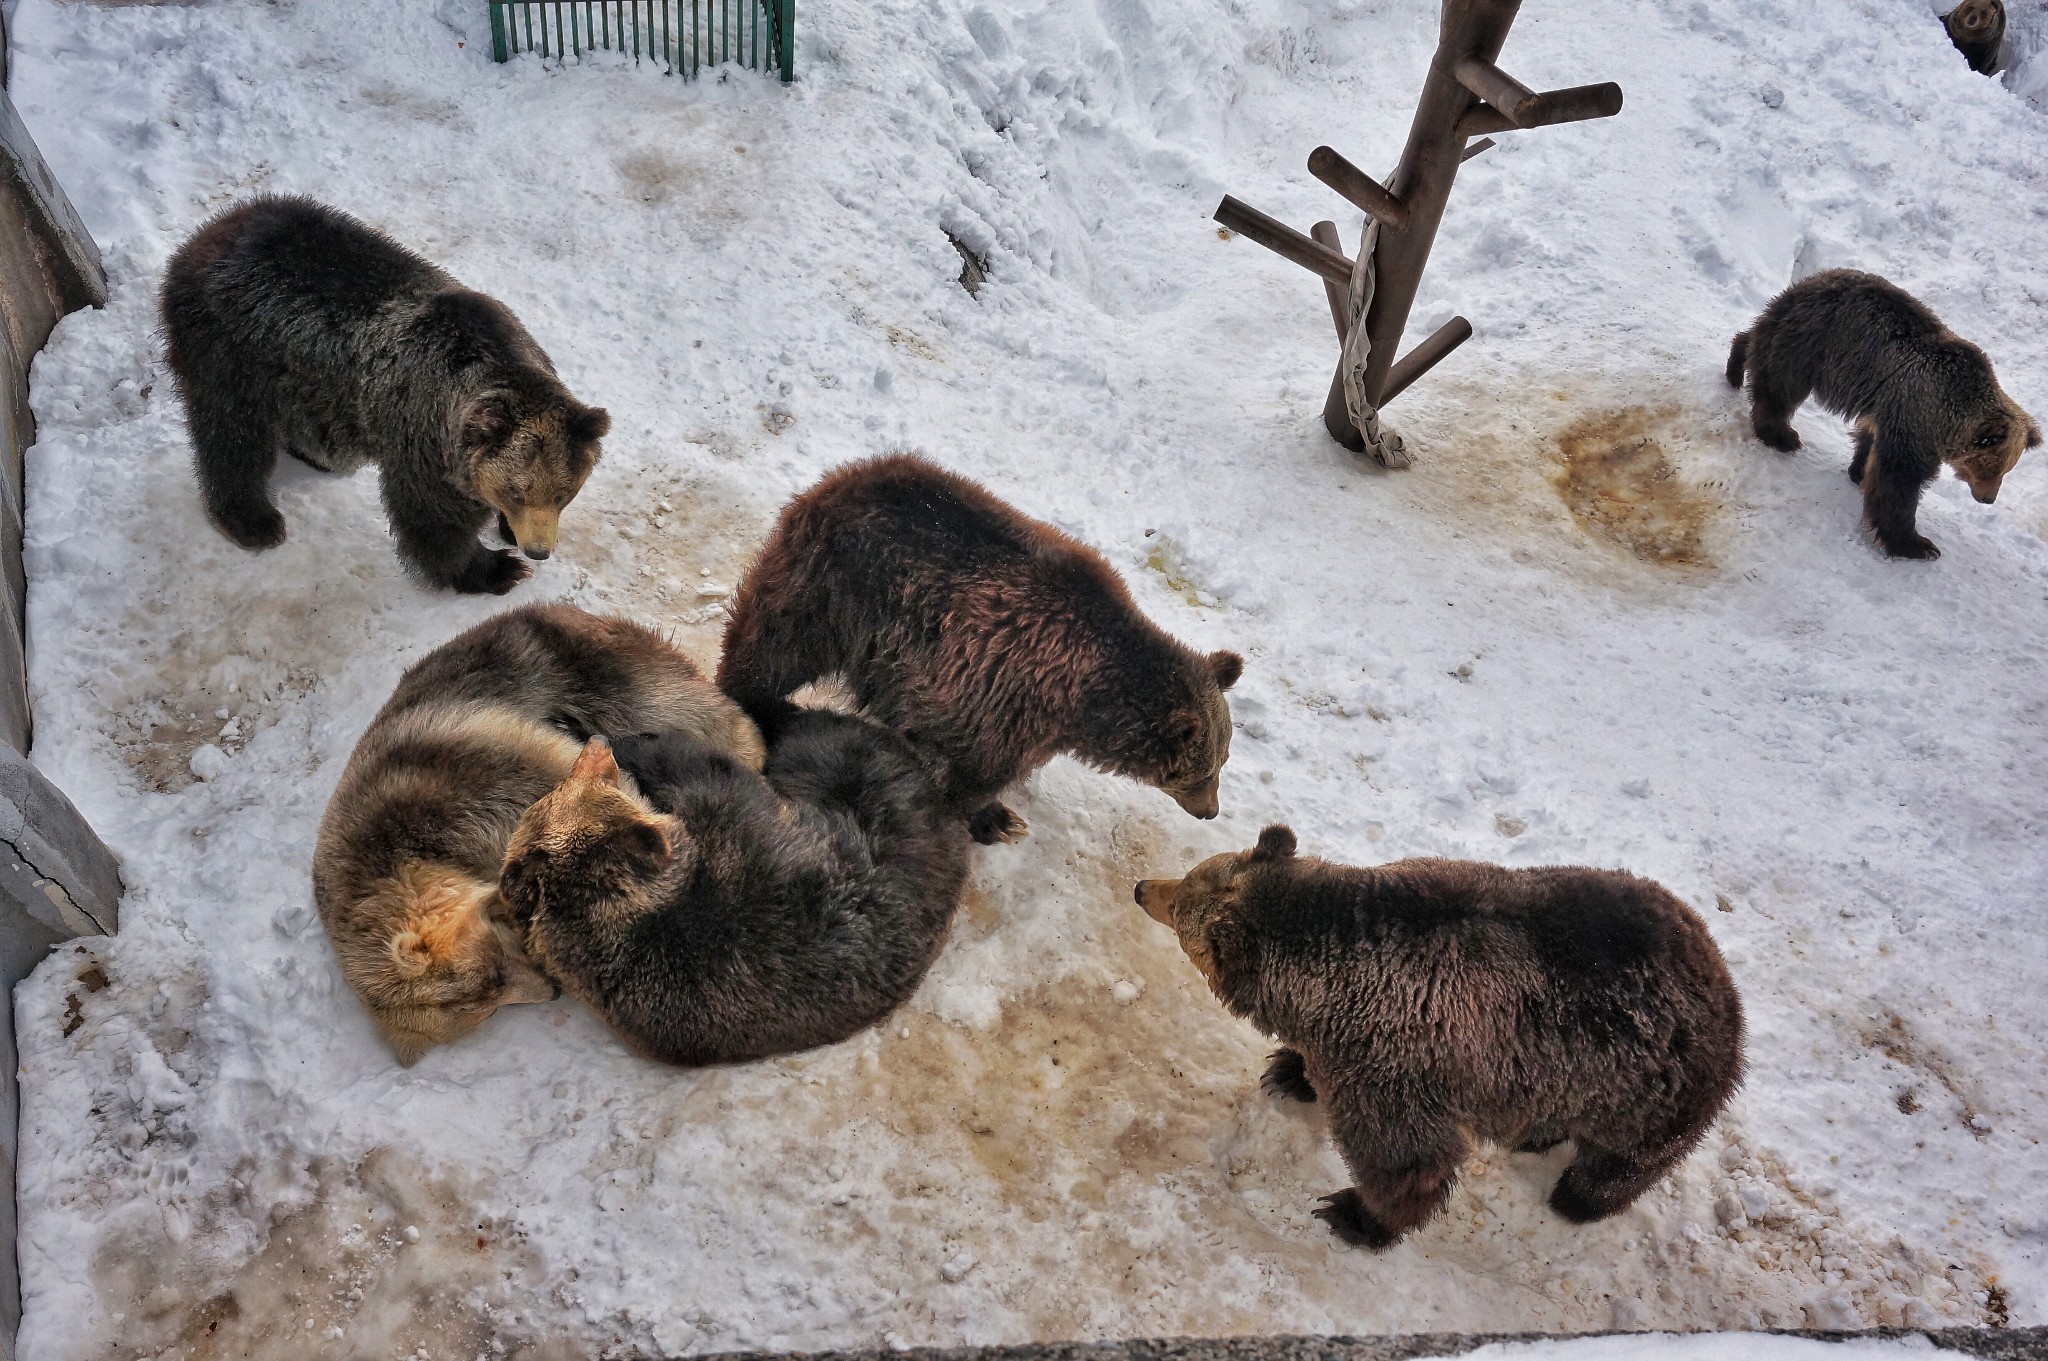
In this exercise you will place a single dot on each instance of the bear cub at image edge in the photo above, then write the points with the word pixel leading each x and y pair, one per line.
pixel 292 326
pixel 1919 394
pixel 1427 1000
pixel 723 916
pixel 405 871
pixel 992 641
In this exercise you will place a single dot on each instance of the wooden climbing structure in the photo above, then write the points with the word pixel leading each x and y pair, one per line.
pixel 1465 96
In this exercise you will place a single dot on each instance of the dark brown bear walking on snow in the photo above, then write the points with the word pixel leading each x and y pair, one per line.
pixel 992 641
pixel 1427 1001
pixel 1920 395
pixel 291 326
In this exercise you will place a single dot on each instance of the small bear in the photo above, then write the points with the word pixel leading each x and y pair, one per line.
pixel 1427 1002
pixel 290 325
pixel 719 916
pixel 992 641
pixel 405 871
pixel 1977 28
pixel 1919 394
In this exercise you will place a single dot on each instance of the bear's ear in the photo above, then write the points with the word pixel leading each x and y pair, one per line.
pixel 1275 843
pixel 487 422
pixel 588 424
pixel 596 763
pixel 1226 667
pixel 642 846
pixel 2033 435
pixel 411 956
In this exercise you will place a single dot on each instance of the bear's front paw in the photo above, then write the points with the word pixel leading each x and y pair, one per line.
pixel 253 527
pixel 994 825
pixel 1287 1076
pixel 1917 546
pixel 490 573
pixel 1783 438
pixel 1348 1218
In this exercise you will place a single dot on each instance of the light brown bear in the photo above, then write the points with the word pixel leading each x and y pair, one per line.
pixel 405 873
pixel 1428 1002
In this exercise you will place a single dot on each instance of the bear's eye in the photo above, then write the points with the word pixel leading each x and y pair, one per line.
pixel 1989 439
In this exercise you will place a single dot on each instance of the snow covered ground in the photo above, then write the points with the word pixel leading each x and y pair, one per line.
pixel 1594 624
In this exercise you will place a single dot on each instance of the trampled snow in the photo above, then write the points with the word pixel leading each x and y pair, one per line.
pixel 1595 623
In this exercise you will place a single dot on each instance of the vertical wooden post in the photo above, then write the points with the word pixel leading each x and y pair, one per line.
pixel 1429 166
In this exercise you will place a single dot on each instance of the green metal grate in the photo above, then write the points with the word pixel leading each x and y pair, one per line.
pixel 682 36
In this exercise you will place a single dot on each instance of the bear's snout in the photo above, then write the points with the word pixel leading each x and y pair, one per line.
pixel 1984 494
pixel 536 552
pixel 1201 801
pixel 1156 897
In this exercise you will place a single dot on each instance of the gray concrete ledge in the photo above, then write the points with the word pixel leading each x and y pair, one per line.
pixel 1995 1344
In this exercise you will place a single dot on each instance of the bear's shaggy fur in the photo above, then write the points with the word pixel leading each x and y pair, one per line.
pixel 723 916
pixel 406 867
pixel 992 641
pixel 1977 28
pixel 292 326
pixel 1428 1001
pixel 1920 395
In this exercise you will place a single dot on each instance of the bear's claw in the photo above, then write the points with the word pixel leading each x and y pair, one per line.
pixel 1348 1218
pixel 992 825
pixel 1287 1076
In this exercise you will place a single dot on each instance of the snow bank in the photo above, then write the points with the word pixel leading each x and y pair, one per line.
pixel 1594 624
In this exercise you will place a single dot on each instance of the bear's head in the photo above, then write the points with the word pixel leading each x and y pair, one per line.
pixel 589 848
pixel 448 963
pixel 527 449
pixel 1172 731
pixel 1202 907
pixel 1991 445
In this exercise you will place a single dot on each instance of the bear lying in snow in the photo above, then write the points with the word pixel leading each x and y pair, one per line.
pixel 718 916
pixel 405 872
pixel 1427 1001
pixel 992 641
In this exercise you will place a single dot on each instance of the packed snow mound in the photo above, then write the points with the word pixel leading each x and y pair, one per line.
pixel 1596 623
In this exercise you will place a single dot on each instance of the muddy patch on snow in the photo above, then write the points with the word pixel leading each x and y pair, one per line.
pixel 1625 493
pixel 1617 479
pixel 369 1258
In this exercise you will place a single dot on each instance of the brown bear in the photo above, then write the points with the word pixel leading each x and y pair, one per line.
pixel 405 872
pixel 716 915
pixel 292 326
pixel 1977 28
pixel 1428 1002
pixel 992 641
pixel 1920 395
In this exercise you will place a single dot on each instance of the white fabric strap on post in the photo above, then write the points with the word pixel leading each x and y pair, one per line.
pixel 1382 442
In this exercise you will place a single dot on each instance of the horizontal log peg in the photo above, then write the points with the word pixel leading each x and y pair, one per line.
pixel 1483 144
pixel 1577 104
pixel 1425 357
pixel 1284 241
pixel 1358 189
pixel 1552 107
pixel 1509 97
pixel 1325 234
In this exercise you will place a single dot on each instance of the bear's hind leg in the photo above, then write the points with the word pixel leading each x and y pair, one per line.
pixel 1287 1076
pixel 1772 400
pixel 234 452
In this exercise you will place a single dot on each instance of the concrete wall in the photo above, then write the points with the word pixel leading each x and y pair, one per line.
pixel 57 881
